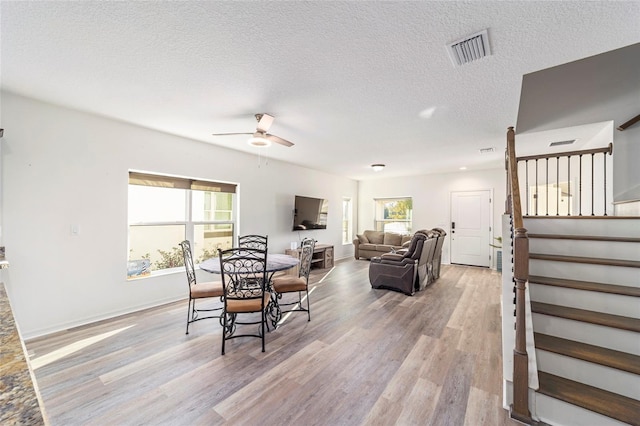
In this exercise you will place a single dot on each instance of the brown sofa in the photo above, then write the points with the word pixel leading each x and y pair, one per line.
pixel 375 243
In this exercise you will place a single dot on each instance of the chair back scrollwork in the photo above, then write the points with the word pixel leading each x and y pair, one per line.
pixel 307 247
pixel 188 262
pixel 253 241
pixel 243 272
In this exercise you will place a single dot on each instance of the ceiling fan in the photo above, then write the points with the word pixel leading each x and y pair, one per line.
pixel 260 137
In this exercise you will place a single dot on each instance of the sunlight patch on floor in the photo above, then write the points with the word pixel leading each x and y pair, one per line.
pixel 297 305
pixel 72 348
pixel 326 275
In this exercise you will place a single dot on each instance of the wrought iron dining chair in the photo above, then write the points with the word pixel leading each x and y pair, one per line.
pixel 253 241
pixel 199 290
pixel 246 291
pixel 300 284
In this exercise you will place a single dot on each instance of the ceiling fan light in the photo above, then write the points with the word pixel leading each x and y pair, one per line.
pixel 377 167
pixel 259 140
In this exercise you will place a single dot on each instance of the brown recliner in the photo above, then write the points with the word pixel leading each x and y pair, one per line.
pixel 405 273
pixel 437 259
pixel 426 267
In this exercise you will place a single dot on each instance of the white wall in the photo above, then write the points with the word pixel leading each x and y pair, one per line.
pixel 431 196
pixel 62 167
pixel 626 152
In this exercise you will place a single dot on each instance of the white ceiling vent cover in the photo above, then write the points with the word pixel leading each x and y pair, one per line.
pixel 470 48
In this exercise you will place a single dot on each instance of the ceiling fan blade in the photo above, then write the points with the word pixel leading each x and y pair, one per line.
pixel 264 122
pixel 229 134
pixel 278 139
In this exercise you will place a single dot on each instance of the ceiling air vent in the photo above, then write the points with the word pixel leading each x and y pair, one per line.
pixel 486 150
pixel 470 48
pixel 558 143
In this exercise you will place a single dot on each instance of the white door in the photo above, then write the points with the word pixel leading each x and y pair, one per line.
pixel 471 228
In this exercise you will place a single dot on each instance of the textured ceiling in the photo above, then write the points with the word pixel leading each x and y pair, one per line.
pixel 350 83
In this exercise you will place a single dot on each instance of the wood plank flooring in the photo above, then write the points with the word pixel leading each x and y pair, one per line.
pixel 368 357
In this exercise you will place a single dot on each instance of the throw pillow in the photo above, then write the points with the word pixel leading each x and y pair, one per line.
pixel 392 239
pixel 375 237
pixel 363 239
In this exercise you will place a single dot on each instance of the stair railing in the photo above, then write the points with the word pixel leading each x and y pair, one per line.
pixel 588 194
pixel 519 409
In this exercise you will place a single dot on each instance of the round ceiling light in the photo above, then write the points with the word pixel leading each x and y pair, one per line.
pixel 259 140
pixel 377 167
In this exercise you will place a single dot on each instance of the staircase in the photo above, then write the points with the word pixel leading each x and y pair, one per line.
pixel 584 286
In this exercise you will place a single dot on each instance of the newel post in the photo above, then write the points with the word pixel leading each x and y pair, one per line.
pixel 520 407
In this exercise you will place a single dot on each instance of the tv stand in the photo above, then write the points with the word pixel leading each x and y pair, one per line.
pixel 322 257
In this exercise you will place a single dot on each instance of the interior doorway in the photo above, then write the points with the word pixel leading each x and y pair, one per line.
pixel 471 228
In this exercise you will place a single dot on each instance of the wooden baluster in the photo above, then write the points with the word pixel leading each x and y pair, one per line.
pixel 580 188
pixel 593 172
pixel 559 190
pixel 527 183
pixel 536 187
pixel 604 156
pixel 546 185
pixel 569 203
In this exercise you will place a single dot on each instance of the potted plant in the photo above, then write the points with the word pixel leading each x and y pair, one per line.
pixel 498 253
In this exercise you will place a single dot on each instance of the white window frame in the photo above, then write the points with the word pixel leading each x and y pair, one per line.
pixel 379 221
pixel 188 223
pixel 347 218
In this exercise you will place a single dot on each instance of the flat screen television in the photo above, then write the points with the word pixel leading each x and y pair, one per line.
pixel 309 213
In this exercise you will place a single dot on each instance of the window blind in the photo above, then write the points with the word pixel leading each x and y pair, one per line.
pixel 145 179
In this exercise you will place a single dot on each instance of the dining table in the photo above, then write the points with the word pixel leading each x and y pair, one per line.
pixel 275 262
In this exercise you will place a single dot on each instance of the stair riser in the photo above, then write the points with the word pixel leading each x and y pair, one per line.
pixel 610 379
pixel 607 337
pixel 631 208
pixel 609 227
pixel 556 412
pixel 619 275
pixel 598 249
pixel 593 301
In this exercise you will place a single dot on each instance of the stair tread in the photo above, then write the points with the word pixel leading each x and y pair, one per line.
pixel 596 354
pixel 608 320
pixel 592 260
pixel 585 237
pixel 586 285
pixel 606 403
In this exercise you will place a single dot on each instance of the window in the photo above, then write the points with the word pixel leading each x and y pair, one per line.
pixel 393 215
pixel 347 229
pixel 165 210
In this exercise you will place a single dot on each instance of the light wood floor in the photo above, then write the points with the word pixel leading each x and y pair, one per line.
pixel 368 357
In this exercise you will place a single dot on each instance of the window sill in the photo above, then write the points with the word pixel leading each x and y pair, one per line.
pixel 160 273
